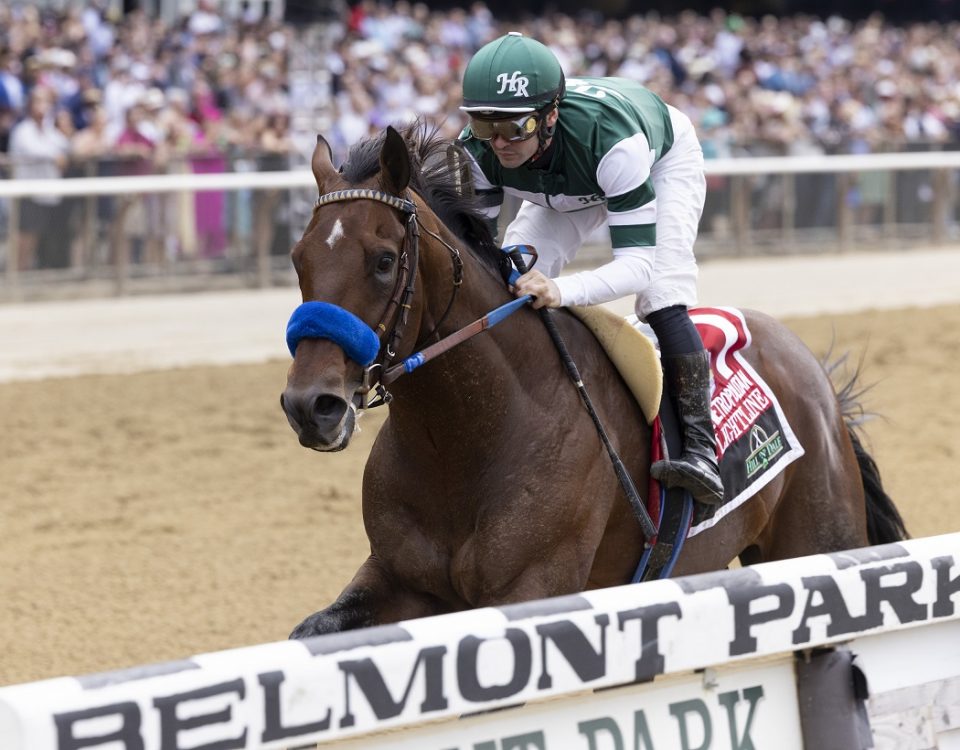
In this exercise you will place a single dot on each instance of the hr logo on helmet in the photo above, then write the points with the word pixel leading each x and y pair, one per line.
pixel 516 83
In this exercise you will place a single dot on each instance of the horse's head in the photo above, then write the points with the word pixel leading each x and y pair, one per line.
pixel 353 263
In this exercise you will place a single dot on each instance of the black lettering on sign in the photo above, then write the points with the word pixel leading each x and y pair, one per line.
pixel 576 649
pixel 273 723
pixel 681 710
pixel 946 586
pixel 468 668
pixel 605 724
pixel 374 688
pixel 641 732
pixel 128 735
pixel 171 725
pixel 527 741
pixel 831 605
pixel 650 663
pixel 743 619
pixel 729 701
pixel 898 596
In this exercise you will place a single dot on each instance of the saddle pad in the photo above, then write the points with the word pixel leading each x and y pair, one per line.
pixel 754 440
pixel 631 352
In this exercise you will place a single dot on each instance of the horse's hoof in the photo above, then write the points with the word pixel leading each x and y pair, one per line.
pixel 318 623
pixel 306 629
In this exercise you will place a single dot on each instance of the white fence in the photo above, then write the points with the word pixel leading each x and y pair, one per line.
pixel 769 205
pixel 817 652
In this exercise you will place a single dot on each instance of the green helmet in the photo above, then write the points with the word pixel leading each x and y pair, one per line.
pixel 511 75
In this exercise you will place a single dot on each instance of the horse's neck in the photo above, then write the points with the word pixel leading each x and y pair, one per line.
pixel 468 387
pixel 481 290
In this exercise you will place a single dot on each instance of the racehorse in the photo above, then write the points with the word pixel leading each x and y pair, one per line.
pixel 487 483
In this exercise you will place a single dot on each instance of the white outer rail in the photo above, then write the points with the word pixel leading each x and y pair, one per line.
pixel 437 669
pixel 86 186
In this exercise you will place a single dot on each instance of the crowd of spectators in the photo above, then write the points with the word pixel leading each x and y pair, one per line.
pixel 792 85
pixel 86 92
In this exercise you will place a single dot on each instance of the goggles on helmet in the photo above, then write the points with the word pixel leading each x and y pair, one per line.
pixel 511 129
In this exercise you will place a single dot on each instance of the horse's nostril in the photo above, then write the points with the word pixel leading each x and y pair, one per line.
pixel 329 407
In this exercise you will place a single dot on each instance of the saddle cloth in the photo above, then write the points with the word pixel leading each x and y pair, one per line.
pixel 754 440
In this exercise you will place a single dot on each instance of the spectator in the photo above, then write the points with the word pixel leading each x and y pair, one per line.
pixel 11 85
pixel 270 230
pixel 140 218
pixel 38 150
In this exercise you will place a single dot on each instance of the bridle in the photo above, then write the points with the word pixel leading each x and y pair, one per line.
pixel 394 320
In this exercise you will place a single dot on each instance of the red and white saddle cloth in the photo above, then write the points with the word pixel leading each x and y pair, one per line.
pixel 754 441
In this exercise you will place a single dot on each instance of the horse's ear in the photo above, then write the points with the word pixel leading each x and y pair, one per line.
pixel 394 162
pixel 322 162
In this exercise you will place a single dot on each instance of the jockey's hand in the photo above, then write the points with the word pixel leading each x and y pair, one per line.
pixel 544 291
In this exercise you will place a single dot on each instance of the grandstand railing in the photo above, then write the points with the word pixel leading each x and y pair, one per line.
pixel 128 234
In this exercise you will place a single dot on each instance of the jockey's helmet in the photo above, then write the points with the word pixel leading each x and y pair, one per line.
pixel 511 75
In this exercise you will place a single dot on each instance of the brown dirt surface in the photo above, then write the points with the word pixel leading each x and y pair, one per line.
pixel 154 516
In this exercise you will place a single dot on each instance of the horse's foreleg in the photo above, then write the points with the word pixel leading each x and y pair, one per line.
pixel 373 597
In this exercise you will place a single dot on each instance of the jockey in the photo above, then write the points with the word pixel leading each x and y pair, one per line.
pixel 588 152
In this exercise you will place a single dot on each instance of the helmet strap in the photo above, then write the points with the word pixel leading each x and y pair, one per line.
pixel 547 131
pixel 544 132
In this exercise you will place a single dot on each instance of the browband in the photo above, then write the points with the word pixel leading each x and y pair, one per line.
pixel 395 201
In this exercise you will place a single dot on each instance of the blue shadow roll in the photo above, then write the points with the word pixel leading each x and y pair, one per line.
pixel 321 320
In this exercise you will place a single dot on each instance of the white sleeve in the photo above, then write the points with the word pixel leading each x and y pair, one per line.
pixel 628 273
pixel 489 195
pixel 623 174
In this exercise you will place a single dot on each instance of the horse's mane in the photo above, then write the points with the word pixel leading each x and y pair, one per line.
pixel 436 180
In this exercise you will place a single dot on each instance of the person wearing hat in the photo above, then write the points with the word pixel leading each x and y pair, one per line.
pixel 587 152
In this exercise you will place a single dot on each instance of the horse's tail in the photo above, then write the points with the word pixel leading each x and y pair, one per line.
pixel 884 522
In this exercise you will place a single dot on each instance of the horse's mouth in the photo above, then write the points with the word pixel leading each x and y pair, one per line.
pixel 315 441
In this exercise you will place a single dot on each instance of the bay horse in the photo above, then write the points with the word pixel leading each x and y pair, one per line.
pixel 487 483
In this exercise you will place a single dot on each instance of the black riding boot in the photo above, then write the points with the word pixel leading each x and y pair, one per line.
pixel 696 470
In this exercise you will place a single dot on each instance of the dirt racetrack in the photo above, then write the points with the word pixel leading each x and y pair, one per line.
pixel 148 517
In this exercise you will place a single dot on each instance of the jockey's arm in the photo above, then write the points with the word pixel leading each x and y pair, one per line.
pixel 628 273
pixel 624 177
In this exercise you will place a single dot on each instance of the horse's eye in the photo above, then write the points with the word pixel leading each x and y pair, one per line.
pixel 385 262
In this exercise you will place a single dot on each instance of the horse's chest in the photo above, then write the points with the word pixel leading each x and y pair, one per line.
pixel 437 558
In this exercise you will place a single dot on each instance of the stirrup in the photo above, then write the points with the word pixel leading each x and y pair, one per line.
pixel 695 477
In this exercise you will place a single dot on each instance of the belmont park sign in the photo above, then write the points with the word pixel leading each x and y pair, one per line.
pixel 653 635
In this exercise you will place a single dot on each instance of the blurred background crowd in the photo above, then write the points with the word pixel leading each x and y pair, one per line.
pixel 91 91
pixel 115 84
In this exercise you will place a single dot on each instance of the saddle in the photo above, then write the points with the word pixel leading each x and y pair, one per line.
pixel 632 353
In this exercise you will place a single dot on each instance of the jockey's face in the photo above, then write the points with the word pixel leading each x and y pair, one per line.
pixel 512 154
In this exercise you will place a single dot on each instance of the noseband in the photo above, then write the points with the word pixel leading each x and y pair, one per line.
pixel 389 331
